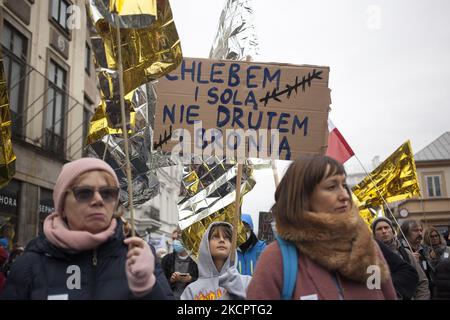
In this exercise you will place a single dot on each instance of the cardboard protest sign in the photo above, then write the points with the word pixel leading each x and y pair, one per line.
pixel 244 97
pixel 265 231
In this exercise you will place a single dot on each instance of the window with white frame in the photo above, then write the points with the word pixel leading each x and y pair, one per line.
pixel 434 186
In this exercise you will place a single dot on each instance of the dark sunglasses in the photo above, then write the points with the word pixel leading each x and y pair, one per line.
pixel 86 194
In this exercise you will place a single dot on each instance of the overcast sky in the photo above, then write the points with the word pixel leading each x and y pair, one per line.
pixel 389 61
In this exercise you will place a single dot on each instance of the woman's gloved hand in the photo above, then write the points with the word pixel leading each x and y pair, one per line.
pixel 139 266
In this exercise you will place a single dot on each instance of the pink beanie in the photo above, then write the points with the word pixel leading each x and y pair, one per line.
pixel 72 170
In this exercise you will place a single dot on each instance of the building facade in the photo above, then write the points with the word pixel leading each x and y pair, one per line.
pixel 52 93
pixel 158 217
pixel 433 170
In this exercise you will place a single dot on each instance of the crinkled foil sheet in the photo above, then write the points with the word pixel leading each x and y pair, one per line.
pixel 208 194
pixel 236 35
pixel 150 48
pixel 7 156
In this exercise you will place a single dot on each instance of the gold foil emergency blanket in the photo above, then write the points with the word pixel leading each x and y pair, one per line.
pixel 148 52
pixel 104 123
pixel 132 13
pixel 395 179
pixel 107 143
pixel 150 48
pixel 236 35
pixel 208 192
pixel 366 213
pixel 7 156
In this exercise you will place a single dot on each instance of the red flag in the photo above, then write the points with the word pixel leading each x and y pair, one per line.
pixel 338 148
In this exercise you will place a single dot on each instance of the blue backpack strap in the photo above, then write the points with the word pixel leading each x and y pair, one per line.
pixel 290 267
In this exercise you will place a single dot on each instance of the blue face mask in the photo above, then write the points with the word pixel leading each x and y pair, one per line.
pixel 177 246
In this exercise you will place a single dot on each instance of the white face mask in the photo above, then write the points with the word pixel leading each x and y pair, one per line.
pixel 248 234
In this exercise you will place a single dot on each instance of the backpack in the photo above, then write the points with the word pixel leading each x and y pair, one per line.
pixel 290 267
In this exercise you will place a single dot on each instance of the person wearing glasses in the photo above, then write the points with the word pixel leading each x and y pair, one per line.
pixel 83 252
pixel 436 246
pixel 437 253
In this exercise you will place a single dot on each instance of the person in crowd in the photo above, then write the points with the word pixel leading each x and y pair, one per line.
pixel 336 252
pixel 442 280
pixel 404 277
pixel 218 279
pixel 161 253
pixel 16 252
pixel 179 268
pixel 383 231
pixel 446 235
pixel 3 261
pixel 250 250
pixel 435 246
pixel 413 232
pixel 82 252
pixel 4 243
pixel 436 251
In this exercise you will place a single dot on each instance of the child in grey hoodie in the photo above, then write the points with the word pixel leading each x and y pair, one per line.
pixel 217 280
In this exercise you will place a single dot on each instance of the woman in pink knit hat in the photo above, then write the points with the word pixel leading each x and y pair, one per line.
pixel 83 253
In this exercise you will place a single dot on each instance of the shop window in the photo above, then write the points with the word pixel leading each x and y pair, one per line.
pixel 46 206
pixel 9 208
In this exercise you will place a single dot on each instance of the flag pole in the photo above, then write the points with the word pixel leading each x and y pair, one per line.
pixel 124 125
pixel 237 209
pixel 275 173
pixel 386 204
pixel 237 202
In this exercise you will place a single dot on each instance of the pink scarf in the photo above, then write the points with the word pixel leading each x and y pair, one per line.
pixel 57 232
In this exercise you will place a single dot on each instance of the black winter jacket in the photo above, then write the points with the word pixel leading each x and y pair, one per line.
pixel 404 277
pixel 168 266
pixel 45 271
pixel 442 280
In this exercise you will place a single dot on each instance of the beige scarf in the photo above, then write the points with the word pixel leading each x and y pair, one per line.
pixel 337 241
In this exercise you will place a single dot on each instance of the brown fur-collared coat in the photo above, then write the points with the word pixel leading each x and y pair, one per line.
pixel 335 253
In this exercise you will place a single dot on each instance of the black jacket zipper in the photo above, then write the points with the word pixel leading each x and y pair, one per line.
pixel 94 273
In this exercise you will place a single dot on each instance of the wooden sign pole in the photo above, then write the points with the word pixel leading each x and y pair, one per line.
pixel 237 210
pixel 275 173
